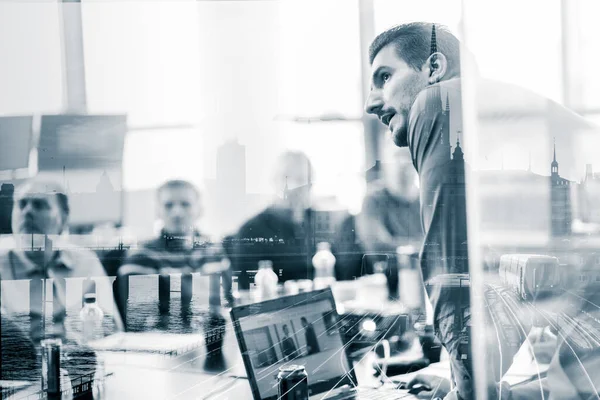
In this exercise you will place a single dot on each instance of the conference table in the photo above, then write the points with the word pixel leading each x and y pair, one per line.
pixel 161 365
pixel 202 365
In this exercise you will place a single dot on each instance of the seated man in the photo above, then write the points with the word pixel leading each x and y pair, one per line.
pixel 38 267
pixel 180 248
pixel 40 218
pixel 282 232
pixel 390 214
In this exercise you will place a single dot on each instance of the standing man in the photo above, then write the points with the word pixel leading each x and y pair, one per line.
pixel 416 92
pixel 415 67
pixel 287 344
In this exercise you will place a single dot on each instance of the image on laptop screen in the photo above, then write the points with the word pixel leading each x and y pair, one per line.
pixel 298 330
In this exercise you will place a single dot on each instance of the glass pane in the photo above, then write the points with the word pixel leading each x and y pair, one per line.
pixel 31 70
pixel 389 13
pixel 319 65
pixel 588 32
pixel 504 53
pixel 142 58
pixel 532 207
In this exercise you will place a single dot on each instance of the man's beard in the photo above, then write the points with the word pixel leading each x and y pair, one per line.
pixel 400 135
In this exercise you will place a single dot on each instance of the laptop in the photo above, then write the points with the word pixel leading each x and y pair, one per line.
pixel 302 329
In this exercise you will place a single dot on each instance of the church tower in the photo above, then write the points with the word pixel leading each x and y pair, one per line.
pixel 554 165
pixel 458 154
pixel 560 201
pixel 434 98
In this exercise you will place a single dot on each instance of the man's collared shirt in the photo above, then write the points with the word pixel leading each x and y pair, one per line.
pixel 67 276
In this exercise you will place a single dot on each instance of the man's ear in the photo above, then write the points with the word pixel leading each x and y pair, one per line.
pixel 437 65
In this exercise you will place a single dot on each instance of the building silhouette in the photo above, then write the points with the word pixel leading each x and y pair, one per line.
pixel 560 201
pixel 518 200
pixel 103 205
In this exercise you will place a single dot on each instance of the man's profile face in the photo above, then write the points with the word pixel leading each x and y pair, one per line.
pixel 36 212
pixel 178 208
pixel 394 88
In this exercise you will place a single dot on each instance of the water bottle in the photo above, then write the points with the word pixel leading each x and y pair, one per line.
pixel 91 318
pixel 410 285
pixel 372 289
pixel 324 263
pixel 266 280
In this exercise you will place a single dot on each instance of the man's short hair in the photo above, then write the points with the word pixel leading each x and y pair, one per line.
pixel 412 42
pixel 177 184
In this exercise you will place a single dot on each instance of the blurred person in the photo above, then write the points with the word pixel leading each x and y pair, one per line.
pixel 283 232
pixel 41 208
pixel 179 207
pixel 416 92
pixel 312 343
pixel 179 248
pixel 390 215
pixel 287 344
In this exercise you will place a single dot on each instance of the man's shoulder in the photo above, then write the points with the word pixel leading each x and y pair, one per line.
pixel 145 253
pixel 154 244
pixel 440 93
pixel 83 261
pixel 377 190
pixel 4 261
pixel 259 220
pixel 76 251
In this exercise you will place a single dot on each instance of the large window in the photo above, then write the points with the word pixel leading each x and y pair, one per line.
pixel 31 68
pixel 194 76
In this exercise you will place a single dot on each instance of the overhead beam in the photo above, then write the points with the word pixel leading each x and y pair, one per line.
pixel 371 125
pixel 75 96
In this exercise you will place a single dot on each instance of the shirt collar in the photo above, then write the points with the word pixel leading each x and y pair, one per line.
pixel 61 259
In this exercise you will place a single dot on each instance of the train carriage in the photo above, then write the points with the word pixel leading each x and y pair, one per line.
pixel 530 275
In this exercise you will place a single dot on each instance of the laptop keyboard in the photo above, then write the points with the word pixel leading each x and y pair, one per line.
pixel 373 394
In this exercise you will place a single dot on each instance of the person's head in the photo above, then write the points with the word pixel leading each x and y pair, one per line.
pixel 178 206
pixel 293 170
pixel 286 331
pixel 304 322
pixel 404 61
pixel 40 207
pixel 399 174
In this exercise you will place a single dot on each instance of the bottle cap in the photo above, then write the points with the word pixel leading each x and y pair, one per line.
pixel 291 368
pixel 89 297
pixel 265 264
pixel 323 246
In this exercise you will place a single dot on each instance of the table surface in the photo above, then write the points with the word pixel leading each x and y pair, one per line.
pixel 179 366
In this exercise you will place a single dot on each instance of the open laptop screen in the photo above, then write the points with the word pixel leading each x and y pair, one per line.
pixel 300 330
